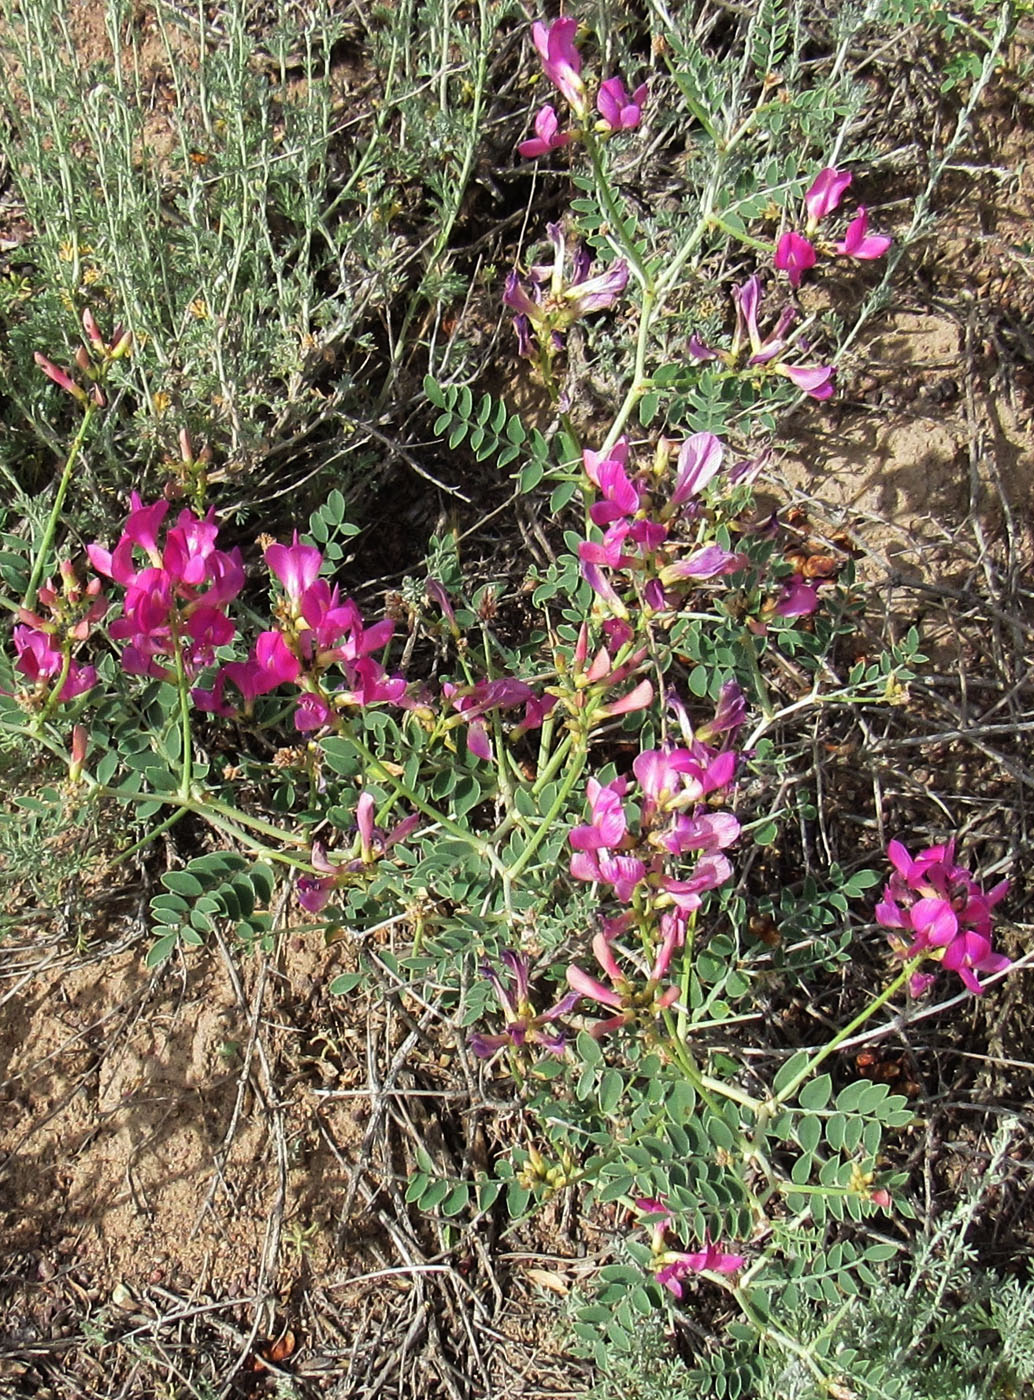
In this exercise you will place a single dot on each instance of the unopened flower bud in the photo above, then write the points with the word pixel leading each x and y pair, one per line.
pixel 80 743
pixel 60 377
pixel 121 344
pixel 93 333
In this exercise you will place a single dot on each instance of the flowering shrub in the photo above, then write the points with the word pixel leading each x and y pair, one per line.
pixel 569 810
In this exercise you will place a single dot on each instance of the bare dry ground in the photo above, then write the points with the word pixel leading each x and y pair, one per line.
pixel 202 1169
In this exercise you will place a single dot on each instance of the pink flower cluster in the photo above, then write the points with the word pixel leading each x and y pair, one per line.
pixel 555 297
pixel 562 65
pixel 474 702
pixel 315 891
pixel 671 1266
pixel 944 912
pixel 796 253
pixel 316 629
pixel 176 602
pixel 750 354
pixel 92 360
pixel 638 548
pixel 629 999
pixel 595 679
pixel 524 1026
pixel 673 782
pixel 676 821
pixel 44 644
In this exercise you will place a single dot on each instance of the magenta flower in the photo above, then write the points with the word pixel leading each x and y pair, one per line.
pixel 596 845
pixel 311 713
pixel 270 665
pixel 475 701
pixel 672 779
pixel 176 603
pixel 620 498
pixel 814 380
pixel 523 1025
pixel 556 297
pixel 711 561
pixel 946 912
pixel 561 61
pixel 594 461
pixel 858 243
pixel 825 193
pixel 765 353
pixel 711 1259
pixel 588 294
pixel 548 136
pixel 40 662
pixel 700 457
pixel 671 1266
pixel 794 255
pixel 619 111
pixel 797 599
pixel 608 825
pixel 710 832
pixel 297 566
pixel 729 715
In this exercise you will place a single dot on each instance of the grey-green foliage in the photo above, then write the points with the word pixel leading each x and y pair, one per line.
pixel 934 1325
pixel 219 886
pixel 234 198
pixel 977 1345
pixel 191 215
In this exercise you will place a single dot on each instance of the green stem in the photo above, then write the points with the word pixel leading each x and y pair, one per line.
pixel 186 757
pixel 260 848
pixel 653 296
pixel 775 1334
pixel 215 813
pixel 547 823
pixel 56 689
pixel 788 1090
pixel 639 383
pixel 415 800
pixel 739 237
pixel 145 841
pixel 705 1086
pixel 620 229
pixel 554 763
pixel 40 562
pixel 203 805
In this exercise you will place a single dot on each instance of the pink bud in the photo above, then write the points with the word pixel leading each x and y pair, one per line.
pixel 121 344
pixel 60 377
pixel 581 648
pixel 80 743
pixel 93 333
pixel 364 820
